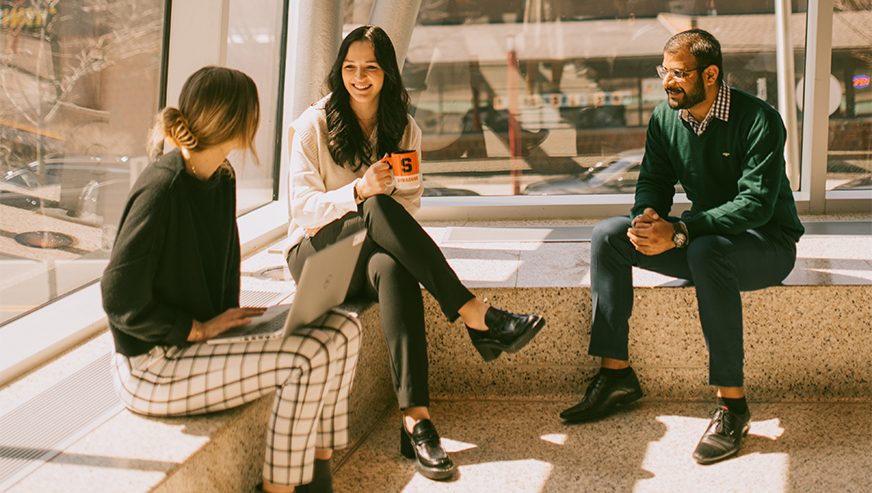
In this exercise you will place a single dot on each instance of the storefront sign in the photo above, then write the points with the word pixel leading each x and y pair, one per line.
pixel 27 19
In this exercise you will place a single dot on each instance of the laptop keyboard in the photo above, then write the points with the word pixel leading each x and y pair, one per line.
pixel 271 326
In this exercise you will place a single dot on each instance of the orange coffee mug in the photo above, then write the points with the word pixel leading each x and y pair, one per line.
pixel 405 168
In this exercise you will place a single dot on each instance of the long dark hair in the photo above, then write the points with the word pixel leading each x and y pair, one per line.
pixel 348 146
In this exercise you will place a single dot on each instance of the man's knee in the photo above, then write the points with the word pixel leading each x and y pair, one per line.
pixel 610 230
pixel 707 248
pixel 709 254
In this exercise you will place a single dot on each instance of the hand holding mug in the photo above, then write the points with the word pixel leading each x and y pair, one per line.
pixel 375 180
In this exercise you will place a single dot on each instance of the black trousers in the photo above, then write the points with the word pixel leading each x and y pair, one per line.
pixel 396 256
pixel 720 267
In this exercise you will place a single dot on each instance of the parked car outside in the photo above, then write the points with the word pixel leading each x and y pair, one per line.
pixel 864 183
pixel 615 175
pixel 83 185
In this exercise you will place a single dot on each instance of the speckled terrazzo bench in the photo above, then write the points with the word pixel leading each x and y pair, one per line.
pixel 240 440
pixel 807 340
pixel 802 343
pixel 220 452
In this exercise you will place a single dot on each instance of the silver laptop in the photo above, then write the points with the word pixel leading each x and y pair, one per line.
pixel 323 285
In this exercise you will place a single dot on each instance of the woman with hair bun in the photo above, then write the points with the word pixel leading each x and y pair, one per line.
pixel 338 186
pixel 173 282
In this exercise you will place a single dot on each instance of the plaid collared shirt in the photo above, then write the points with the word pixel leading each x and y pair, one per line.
pixel 720 109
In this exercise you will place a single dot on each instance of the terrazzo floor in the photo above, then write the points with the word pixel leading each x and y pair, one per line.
pixel 514 446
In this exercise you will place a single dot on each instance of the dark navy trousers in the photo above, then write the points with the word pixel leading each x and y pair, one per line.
pixel 720 267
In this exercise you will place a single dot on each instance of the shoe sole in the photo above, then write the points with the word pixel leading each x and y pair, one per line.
pixel 407 450
pixel 434 474
pixel 705 462
pixel 628 399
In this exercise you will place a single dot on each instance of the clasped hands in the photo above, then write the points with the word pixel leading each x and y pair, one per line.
pixel 651 234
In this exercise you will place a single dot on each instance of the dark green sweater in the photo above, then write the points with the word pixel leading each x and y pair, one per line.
pixel 176 257
pixel 734 173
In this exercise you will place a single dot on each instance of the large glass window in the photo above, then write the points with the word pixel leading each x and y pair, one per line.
pixel 849 158
pixel 80 83
pixel 254 47
pixel 553 96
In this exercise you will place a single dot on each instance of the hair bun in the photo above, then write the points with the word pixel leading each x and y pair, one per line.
pixel 177 129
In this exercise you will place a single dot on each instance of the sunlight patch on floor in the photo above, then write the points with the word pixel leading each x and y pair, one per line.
pixel 518 475
pixel 670 460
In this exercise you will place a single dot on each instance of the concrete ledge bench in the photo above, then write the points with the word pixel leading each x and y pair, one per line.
pixel 807 340
pixel 218 452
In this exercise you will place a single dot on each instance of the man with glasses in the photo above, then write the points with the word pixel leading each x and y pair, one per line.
pixel 726 148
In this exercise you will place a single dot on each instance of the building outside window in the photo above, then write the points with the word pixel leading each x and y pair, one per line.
pixel 553 97
pixel 850 129
pixel 80 83
pixel 254 46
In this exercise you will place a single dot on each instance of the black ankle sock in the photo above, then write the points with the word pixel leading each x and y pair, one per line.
pixel 608 372
pixel 322 479
pixel 738 406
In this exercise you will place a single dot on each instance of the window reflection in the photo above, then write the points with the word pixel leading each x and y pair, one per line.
pixel 80 83
pixel 254 47
pixel 515 93
pixel 849 159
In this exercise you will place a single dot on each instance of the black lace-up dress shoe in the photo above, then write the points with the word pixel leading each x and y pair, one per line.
pixel 505 332
pixel 603 395
pixel 723 437
pixel 422 444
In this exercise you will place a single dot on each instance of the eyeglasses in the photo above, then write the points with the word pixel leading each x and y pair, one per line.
pixel 676 73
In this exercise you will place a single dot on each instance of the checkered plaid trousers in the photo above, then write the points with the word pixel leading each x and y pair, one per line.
pixel 311 372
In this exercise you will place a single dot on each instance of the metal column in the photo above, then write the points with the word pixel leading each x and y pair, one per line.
pixel 816 117
pixel 397 18
pixel 317 29
pixel 314 36
pixel 787 88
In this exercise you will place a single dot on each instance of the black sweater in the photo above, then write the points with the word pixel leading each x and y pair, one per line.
pixel 176 257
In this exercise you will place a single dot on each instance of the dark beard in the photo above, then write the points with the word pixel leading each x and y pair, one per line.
pixel 692 98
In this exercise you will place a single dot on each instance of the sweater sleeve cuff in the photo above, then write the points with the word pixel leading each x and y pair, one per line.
pixel 178 335
pixel 696 227
pixel 345 197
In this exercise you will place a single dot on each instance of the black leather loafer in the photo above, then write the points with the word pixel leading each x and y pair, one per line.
pixel 487 353
pixel 505 332
pixel 603 395
pixel 723 437
pixel 431 460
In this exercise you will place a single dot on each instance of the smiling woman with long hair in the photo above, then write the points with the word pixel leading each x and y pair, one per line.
pixel 338 186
